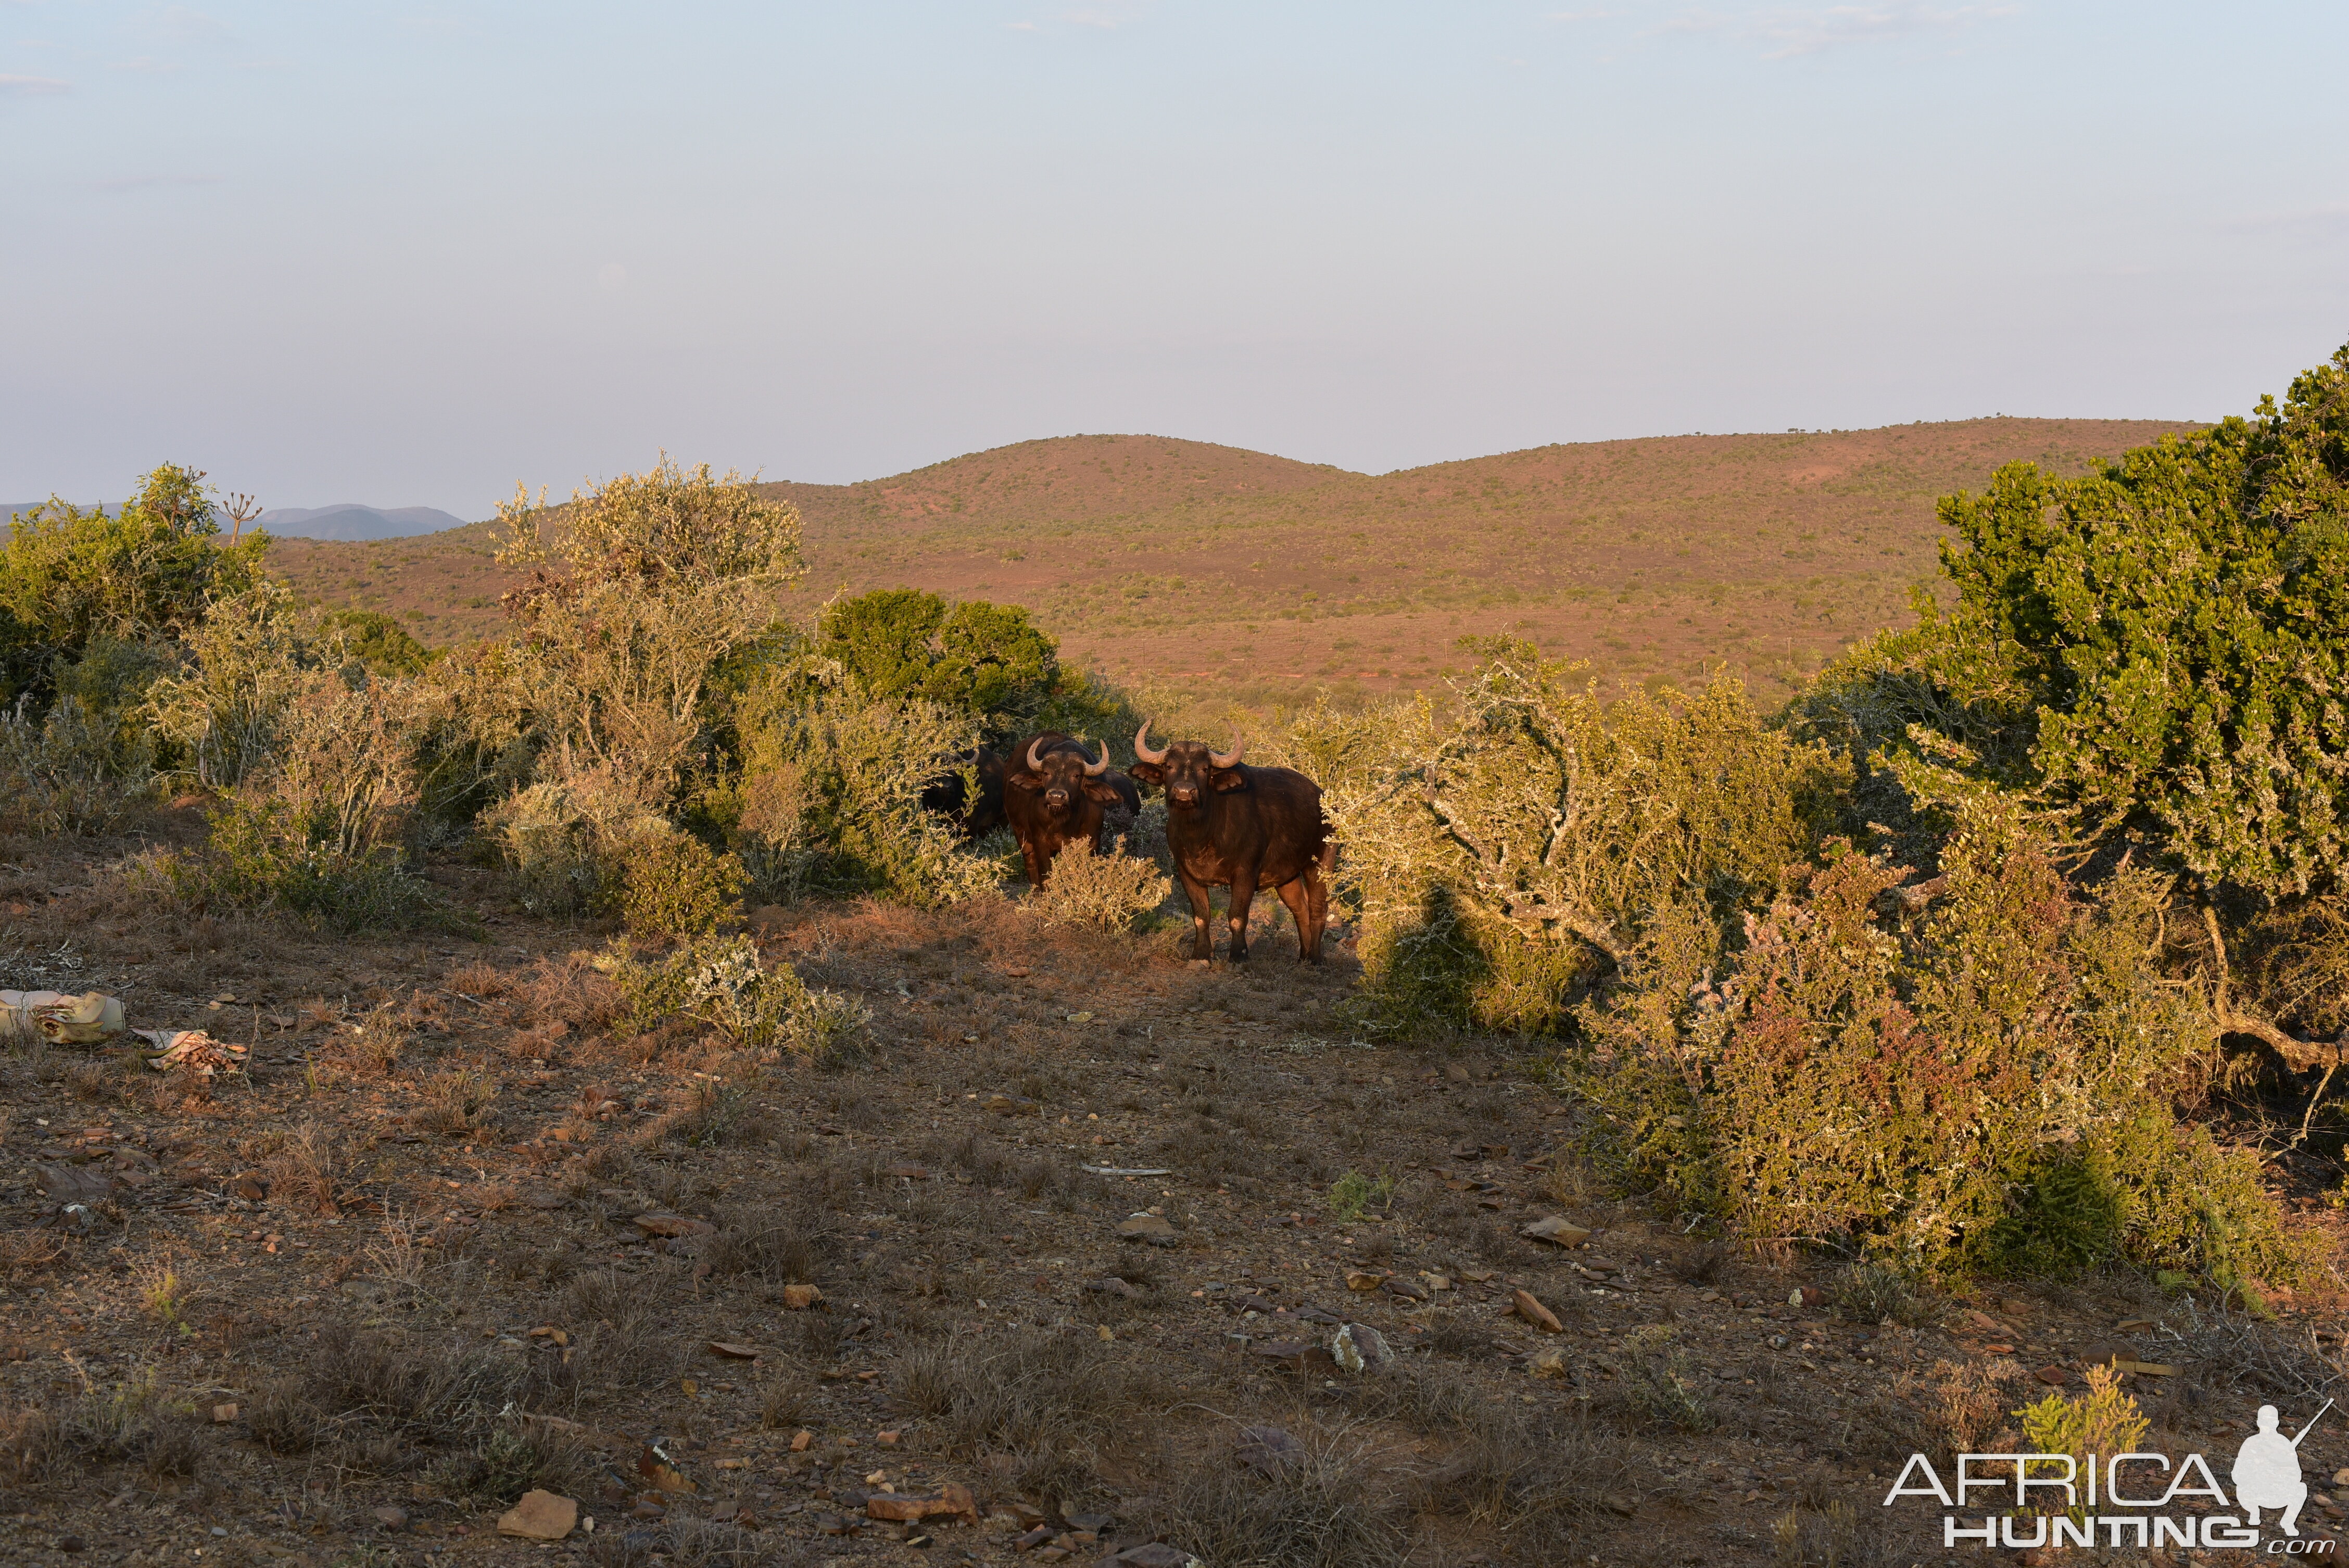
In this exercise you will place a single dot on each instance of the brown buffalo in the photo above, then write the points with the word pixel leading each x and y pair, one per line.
pixel 1242 828
pixel 1054 796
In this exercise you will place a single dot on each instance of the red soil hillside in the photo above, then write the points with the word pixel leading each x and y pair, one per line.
pixel 1262 579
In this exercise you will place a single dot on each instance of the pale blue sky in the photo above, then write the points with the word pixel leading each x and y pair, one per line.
pixel 409 253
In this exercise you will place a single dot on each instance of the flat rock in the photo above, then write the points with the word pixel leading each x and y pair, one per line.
pixel 540 1516
pixel 1409 1289
pixel 1157 1554
pixel 734 1352
pixel 1358 1279
pixel 63 1184
pixel 1547 1363
pixel 1359 1348
pixel 1558 1231
pixel 1112 1286
pixel 1153 1229
pixel 1535 1313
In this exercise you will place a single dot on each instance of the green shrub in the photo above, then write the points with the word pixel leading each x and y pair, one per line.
pixel 1354 1194
pixel 828 799
pixel 673 884
pixel 720 982
pixel 379 644
pixel 69 576
pixel 567 843
pixel 1510 847
pixel 1113 892
pixel 68 774
pixel 1977 1075
pixel 259 857
pixel 248 661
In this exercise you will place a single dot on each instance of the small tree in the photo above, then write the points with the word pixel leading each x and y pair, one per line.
pixel 150 569
pixel 983 659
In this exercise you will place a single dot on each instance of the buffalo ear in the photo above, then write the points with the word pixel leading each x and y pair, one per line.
pixel 1223 780
pixel 1147 773
pixel 1027 782
pixel 1102 790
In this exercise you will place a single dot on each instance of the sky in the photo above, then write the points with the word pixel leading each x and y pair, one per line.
pixel 418 253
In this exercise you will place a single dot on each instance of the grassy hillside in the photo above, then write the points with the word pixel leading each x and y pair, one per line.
pixel 1268 580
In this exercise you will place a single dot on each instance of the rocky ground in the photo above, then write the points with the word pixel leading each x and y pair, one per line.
pixel 1091 1254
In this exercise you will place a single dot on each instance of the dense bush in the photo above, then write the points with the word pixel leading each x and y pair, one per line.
pixel 2158 650
pixel 673 884
pixel 567 842
pixel 70 773
pixel 1509 846
pixel 151 568
pixel 1113 892
pixel 1978 1072
pixel 983 660
pixel 827 798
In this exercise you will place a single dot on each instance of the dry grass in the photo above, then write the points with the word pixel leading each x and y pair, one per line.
pixel 1336 1507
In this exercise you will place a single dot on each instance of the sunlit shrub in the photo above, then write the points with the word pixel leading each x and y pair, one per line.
pixel 1112 892
pixel 828 799
pixel 673 884
pixel 720 982
pixel 1511 845
pixel 1977 1073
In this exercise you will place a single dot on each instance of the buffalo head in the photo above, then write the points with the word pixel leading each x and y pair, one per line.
pixel 1062 774
pixel 1188 768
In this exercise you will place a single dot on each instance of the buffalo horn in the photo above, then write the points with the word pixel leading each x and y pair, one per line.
pixel 1141 746
pixel 1095 769
pixel 1033 765
pixel 1229 759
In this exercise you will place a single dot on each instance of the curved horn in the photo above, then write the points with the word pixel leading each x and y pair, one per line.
pixel 1142 751
pixel 1095 769
pixel 1033 765
pixel 1229 759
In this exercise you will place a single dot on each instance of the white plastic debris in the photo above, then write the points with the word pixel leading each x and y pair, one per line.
pixel 60 1020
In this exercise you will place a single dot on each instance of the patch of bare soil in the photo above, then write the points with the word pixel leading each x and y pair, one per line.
pixel 1057 1270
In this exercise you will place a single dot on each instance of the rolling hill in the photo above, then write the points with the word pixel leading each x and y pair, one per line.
pixel 1267 580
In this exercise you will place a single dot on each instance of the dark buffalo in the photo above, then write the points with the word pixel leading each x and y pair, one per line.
pixel 1056 796
pixel 949 795
pixel 1243 829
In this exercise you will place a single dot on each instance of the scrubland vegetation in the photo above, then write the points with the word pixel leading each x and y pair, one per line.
pixel 2015 948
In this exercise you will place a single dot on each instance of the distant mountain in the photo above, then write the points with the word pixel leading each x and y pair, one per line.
pixel 345 520
pixel 9 511
pixel 350 521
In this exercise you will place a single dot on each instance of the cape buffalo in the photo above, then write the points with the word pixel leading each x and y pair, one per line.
pixel 946 795
pixel 1242 828
pixel 1056 796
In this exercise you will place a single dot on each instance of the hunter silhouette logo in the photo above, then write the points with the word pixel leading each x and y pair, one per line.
pixel 2057 1499
pixel 2267 1471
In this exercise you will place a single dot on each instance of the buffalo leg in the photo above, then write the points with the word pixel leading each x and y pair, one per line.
pixel 1203 938
pixel 1036 864
pixel 1299 900
pixel 1243 892
pixel 1317 878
